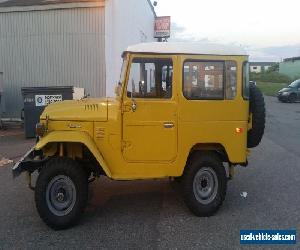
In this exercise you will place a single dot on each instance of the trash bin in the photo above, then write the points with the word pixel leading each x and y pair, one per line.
pixel 37 98
pixel 1 109
pixel 1 99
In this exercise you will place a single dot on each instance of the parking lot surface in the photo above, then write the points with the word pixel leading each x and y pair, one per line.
pixel 152 215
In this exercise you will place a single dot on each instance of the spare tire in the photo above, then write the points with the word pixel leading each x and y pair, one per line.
pixel 258 111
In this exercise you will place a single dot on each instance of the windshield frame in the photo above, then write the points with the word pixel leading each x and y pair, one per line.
pixel 122 78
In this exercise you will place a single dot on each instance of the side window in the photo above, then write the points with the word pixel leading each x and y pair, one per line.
pixel 203 80
pixel 246 81
pixel 150 78
pixel 231 83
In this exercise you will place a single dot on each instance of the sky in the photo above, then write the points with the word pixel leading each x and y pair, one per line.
pixel 268 30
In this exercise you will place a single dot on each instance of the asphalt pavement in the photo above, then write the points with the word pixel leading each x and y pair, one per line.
pixel 152 215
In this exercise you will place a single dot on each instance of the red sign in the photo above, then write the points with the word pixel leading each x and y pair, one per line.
pixel 162 27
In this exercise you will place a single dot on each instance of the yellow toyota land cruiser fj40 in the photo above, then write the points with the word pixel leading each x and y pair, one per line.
pixel 184 111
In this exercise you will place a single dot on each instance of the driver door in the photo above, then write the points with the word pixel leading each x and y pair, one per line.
pixel 150 111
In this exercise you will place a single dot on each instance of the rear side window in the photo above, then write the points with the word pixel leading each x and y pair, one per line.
pixel 246 81
pixel 203 80
pixel 231 80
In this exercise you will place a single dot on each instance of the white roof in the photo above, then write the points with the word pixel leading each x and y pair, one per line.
pixel 186 48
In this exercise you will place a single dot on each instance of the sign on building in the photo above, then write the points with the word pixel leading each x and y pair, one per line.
pixel 162 27
pixel 44 100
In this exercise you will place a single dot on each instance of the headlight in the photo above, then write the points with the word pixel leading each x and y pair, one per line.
pixel 285 93
pixel 40 129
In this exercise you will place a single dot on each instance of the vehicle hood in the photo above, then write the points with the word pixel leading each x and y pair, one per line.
pixel 78 110
pixel 288 89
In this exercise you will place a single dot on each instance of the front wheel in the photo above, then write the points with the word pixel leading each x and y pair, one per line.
pixel 61 193
pixel 204 184
pixel 292 98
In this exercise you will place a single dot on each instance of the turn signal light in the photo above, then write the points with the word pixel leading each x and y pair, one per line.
pixel 239 130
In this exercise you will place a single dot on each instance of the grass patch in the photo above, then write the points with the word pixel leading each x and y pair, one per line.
pixel 270 88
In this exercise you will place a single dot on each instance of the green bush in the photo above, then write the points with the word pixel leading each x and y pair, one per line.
pixel 270 77
pixel 270 88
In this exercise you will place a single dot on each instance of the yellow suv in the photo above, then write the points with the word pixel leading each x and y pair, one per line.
pixel 184 111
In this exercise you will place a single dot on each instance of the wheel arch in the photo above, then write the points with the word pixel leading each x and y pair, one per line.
pixel 202 148
pixel 218 148
pixel 294 94
pixel 52 140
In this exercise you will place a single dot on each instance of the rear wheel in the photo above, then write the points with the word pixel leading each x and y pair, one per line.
pixel 61 193
pixel 204 184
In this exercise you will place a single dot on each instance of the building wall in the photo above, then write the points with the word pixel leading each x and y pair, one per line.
pixel 267 67
pixel 52 48
pixel 290 68
pixel 127 22
pixel 256 69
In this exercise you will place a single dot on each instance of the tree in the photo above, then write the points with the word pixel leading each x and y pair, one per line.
pixel 274 68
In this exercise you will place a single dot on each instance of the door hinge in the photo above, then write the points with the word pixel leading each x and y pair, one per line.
pixel 126 108
pixel 125 144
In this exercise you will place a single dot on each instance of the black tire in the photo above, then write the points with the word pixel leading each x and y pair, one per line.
pixel 198 164
pixel 71 177
pixel 258 111
pixel 292 98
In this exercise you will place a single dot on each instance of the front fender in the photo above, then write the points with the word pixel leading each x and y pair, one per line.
pixel 77 137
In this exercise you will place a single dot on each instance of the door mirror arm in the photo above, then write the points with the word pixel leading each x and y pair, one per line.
pixel 133 105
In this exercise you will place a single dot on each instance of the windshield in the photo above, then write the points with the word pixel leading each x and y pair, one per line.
pixel 295 84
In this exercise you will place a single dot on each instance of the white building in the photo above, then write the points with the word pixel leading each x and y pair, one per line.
pixel 68 42
pixel 259 67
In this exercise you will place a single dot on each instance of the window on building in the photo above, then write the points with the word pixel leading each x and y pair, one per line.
pixel 150 78
pixel 231 81
pixel 254 67
pixel 203 80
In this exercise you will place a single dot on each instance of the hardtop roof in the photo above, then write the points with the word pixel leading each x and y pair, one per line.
pixel 186 48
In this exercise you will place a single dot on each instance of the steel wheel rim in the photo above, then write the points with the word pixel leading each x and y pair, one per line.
pixel 205 185
pixel 61 195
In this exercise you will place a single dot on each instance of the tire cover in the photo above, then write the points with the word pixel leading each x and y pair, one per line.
pixel 258 111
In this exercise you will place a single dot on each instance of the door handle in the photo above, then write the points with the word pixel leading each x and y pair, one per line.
pixel 169 125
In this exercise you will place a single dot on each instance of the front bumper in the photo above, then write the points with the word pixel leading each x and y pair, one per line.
pixel 283 97
pixel 30 162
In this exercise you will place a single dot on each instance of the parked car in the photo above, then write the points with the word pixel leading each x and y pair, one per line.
pixel 167 120
pixel 290 93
